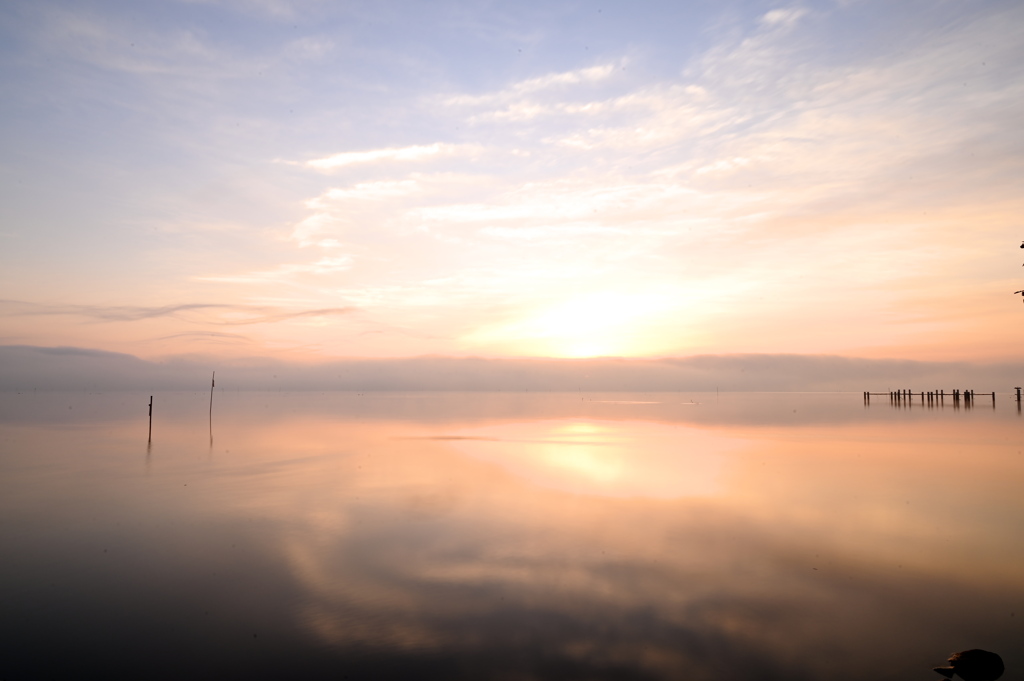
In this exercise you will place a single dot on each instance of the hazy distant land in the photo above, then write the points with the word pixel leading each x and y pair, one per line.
pixel 66 368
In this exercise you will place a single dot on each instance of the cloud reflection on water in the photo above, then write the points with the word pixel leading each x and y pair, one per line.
pixel 490 548
pixel 830 539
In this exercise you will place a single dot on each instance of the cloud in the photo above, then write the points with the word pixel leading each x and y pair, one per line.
pixel 310 49
pixel 209 336
pixel 277 9
pixel 554 202
pixel 199 313
pixel 786 16
pixel 285 272
pixel 412 153
pixel 100 40
pixel 564 231
pixel 536 97
pixel 590 74
pixel 367 191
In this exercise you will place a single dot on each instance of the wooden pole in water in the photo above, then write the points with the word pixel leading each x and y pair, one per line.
pixel 150 419
pixel 213 382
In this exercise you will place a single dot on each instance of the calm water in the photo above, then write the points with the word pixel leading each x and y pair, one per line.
pixel 506 536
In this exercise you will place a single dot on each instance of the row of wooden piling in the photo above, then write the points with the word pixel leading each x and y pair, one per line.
pixel 932 397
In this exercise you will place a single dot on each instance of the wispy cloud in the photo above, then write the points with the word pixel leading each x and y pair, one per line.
pixel 785 16
pixel 99 40
pixel 412 153
pixel 208 336
pixel 533 98
pixel 610 202
pixel 285 272
pixel 591 74
pixel 367 191
pixel 279 9
pixel 205 313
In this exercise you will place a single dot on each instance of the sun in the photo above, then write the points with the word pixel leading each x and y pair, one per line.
pixel 600 324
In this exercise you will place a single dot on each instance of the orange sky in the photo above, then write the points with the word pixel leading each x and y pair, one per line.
pixel 290 180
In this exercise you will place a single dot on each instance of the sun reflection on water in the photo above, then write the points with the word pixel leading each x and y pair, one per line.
pixel 608 458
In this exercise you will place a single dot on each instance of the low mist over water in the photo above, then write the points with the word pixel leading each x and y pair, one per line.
pixel 27 368
pixel 506 536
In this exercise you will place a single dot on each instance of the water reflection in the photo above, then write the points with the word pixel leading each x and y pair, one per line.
pixel 545 538
pixel 609 458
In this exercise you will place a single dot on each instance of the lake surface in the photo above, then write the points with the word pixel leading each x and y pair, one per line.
pixel 506 536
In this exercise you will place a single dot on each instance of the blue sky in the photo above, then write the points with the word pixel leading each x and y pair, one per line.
pixel 320 179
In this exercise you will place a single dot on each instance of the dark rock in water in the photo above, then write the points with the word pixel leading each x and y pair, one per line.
pixel 973 665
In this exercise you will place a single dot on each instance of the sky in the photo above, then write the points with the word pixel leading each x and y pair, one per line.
pixel 314 181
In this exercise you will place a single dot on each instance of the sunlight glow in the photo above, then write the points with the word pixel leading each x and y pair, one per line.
pixel 584 456
pixel 607 458
pixel 590 325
